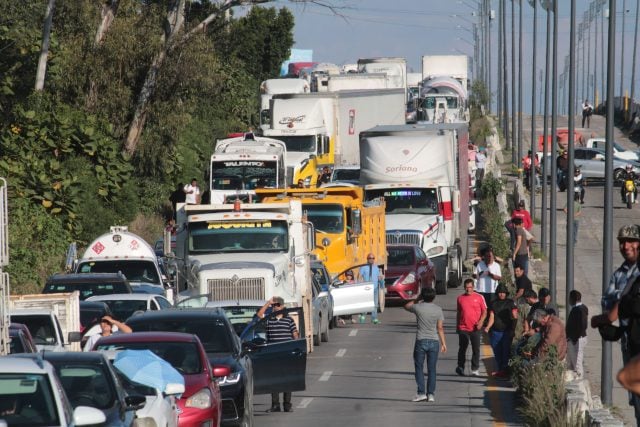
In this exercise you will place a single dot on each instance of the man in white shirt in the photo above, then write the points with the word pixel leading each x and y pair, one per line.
pixel 192 192
pixel 488 274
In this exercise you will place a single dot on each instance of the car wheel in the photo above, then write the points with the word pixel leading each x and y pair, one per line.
pixel 316 337
pixel 324 337
pixel 247 416
pixel 333 322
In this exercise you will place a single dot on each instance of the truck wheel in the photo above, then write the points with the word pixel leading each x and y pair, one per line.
pixel 316 337
pixel 333 322
pixel 441 287
pixel 324 336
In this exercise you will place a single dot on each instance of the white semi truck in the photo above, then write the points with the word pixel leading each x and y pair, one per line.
pixel 322 128
pixel 247 251
pixel 271 87
pixel 421 171
pixel 394 68
pixel 444 89
pixel 240 165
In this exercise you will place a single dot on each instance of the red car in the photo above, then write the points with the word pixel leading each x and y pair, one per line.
pixel 408 270
pixel 200 403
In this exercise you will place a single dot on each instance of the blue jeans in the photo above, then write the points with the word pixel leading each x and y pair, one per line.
pixel 430 349
pixel 376 300
pixel 501 345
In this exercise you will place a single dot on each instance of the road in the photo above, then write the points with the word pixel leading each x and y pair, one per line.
pixel 364 377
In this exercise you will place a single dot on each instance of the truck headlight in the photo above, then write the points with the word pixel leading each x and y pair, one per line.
pixel 434 251
pixel 234 378
pixel 200 400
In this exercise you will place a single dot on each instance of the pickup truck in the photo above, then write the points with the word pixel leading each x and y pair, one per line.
pixel 618 151
pixel 45 329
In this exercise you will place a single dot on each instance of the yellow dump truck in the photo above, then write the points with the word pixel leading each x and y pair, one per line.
pixel 347 228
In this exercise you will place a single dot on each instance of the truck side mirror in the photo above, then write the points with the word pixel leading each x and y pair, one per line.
pixel 356 222
pixel 311 236
pixel 74 337
pixel 455 196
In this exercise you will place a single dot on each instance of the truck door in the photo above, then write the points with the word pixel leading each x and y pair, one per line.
pixel 281 366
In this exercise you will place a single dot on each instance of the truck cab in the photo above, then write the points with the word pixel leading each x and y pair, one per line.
pixel 240 165
pixel 45 329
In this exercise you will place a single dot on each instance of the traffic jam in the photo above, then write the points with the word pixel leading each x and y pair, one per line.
pixel 355 192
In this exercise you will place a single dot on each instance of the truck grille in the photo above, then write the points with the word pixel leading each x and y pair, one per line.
pixel 236 288
pixel 404 237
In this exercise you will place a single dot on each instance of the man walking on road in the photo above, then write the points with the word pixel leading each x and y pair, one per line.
pixel 471 312
pixel 429 341
pixel 503 315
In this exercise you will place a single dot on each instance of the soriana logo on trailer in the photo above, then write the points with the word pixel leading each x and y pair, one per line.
pixel 352 122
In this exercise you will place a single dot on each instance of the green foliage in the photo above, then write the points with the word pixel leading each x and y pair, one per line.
pixel 480 96
pixel 480 129
pixel 541 388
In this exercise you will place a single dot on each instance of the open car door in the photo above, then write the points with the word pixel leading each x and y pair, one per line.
pixel 352 298
pixel 281 366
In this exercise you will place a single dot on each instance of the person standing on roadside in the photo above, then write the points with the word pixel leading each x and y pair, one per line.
pixel 587 112
pixel 576 330
pixel 488 274
pixel 279 328
pixel 471 312
pixel 429 341
pixel 503 315
pixel 371 273
pixel 481 162
pixel 192 192
pixel 520 253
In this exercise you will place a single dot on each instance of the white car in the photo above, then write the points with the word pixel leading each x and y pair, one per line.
pixel 31 394
pixel 618 151
pixel 161 409
pixel 124 305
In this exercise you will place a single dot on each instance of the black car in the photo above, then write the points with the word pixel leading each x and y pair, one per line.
pixel 20 340
pixel 88 284
pixel 89 379
pixel 256 367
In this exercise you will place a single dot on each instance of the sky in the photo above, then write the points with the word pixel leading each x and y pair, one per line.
pixel 412 28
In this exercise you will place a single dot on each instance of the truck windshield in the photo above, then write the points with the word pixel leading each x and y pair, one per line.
pixel 408 200
pixel 240 236
pixel 325 218
pixel 300 143
pixel 134 270
pixel 243 175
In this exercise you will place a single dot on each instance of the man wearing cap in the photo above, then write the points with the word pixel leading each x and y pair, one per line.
pixel 280 327
pixel 503 315
pixel 106 326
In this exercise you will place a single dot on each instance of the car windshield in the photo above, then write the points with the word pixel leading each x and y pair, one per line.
pixel 408 200
pixel 240 236
pixel 40 326
pixel 325 218
pixel 86 290
pixel 183 356
pixel 134 270
pixel 212 334
pixel 27 400
pixel 85 384
pixel 346 175
pixel 243 175
pixel 302 143
pixel 241 316
pixel 400 256
pixel 123 309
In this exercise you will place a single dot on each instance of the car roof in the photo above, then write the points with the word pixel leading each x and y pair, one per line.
pixel 29 365
pixel 236 303
pixel 118 297
pixel 185 314
pixel 134 337
pixel 86 278
pixel 89 357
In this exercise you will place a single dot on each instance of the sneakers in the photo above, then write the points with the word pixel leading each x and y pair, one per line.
pixel 431 397
pixel 475 373
pixel 375 321
pixel 460 371
pixel 420 397
pixel 287 407
pixel 362 318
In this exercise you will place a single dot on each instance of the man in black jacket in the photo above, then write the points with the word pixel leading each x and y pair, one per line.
pixel 576 333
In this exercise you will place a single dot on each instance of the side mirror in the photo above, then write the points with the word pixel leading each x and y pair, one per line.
pixel 74 337
pixel 135 402
pixel 356 222
pixel 85 416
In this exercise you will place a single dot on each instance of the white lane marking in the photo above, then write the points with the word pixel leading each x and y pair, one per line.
pixel 325 376
pixel 304 402
pixel 353 333
pixel 341 352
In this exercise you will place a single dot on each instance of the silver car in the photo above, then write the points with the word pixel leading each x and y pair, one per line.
pixel 591 163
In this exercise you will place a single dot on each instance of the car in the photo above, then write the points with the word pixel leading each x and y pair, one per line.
pixel 31 395
pixel 88 284
pixel 349 174
pixel 619 151
pixel 20 340
pixel 320 274
pixel 591 163
pixel 89 379
pixel 353 297
pixel 241 313
pixel 322 312
pixel 255 366
pixel 45 328
pixel 409 270
pixel 200 404
pixel 124 306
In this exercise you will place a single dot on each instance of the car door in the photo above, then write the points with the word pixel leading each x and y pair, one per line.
pixel 352 298
pixel 281 366
pixel 590 166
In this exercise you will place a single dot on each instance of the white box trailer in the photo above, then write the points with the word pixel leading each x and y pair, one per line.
pixel 422 172
pixel 271 87
pixel 356 81
pixel 394 67
pixel 455 66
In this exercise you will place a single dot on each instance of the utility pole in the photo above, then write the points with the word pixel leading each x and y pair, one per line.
pixel 532 170
pixel 624 14
pixel 505 86
pixel 571 148
pixel 546 4
pixel 553 223
pixel 633 62
pixel 44 51
pixel 514 134
pixel 520 84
